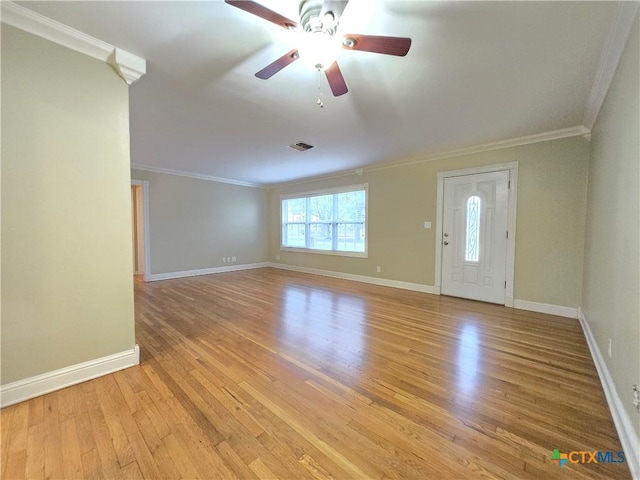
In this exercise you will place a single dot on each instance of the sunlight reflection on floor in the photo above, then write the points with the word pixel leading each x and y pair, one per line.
pixel 326 324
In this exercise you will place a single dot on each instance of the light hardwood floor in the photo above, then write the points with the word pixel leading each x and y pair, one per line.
pixel 274 374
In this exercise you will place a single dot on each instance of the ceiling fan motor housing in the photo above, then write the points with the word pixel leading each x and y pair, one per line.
pixel 312 22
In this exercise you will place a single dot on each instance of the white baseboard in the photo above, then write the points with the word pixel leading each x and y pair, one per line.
pixel 153 277
pixel 416 287
pixel 558 310
pixel 628 438
pixel 65 377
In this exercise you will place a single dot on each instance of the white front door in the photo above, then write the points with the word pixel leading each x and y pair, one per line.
pixel 474 236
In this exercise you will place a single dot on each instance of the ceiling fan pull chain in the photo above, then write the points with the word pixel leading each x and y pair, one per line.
pixel 319 102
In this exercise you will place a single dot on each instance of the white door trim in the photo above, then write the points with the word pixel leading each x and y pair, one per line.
pixel 511 221
pixel 145 225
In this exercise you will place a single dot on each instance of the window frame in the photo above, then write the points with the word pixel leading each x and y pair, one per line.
pixel 329 191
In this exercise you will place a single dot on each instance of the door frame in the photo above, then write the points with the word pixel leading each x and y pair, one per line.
pixel 142 199
pixel 511 220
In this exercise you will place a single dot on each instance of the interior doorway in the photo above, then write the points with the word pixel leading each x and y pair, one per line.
pixel 140 222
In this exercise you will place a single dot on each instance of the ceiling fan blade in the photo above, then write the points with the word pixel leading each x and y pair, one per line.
pixel 336 80
pixel 262 12
pixel 274 67
pixel 334 6
pixel 398 46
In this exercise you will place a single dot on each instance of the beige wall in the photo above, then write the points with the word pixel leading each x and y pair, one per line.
pixel 611 294
pixel 67 291
pixel 193 223
pixel 550 224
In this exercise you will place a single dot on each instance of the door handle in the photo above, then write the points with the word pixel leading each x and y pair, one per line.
pixel 446 243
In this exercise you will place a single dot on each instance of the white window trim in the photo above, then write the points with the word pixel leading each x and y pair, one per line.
pixel 329 191
pixel 326 191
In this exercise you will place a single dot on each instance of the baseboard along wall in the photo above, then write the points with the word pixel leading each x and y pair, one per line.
pixel 559 310
pixel 31 387
pixel 154 277
pixel 628 437
pixel 417 287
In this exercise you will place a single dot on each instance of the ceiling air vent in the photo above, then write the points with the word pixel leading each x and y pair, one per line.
pixel 301 146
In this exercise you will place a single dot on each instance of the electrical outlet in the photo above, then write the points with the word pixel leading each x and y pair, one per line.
pixel 378 269
pixel 228 259
pixel 609 349
pixel 427 224
pixel 233 259
pixel 224 259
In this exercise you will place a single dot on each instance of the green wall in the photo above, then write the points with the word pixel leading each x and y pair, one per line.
pixel 67 288
pixel 193 223
pixel 611 293
pixel 550 225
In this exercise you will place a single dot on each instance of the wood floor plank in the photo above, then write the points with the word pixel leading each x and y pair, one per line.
pixel 274 374
pixel 182 459
pixel 132 472
pixel 296 425
pixel 206 458
pixel 144 458
pixel 84 430
pixel 235 463
pixel 16 457
pixel 68 404
pixel 6 415
pixel 109 464
pixel 71 455
pixel 261 470
pixel 314 468
pixel 91 467
pixel 118 419
pixel 53 459
pixel 34 468
pixel 36 411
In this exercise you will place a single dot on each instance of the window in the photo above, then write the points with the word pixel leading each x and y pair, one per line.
pixel 472 249
pixel 332 221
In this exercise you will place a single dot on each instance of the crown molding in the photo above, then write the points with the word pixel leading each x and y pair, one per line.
pixel 317 178
pixel 199 176
pixel 129 66
pixel 576 131
pixel 485 147
pixel 610 58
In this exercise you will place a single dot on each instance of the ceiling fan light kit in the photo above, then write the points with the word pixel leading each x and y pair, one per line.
pixel 319 42
pixel 318 49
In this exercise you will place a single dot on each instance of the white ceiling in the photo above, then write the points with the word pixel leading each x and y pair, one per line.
pixel 477 72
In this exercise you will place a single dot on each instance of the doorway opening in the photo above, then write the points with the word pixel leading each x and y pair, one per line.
pixel 140 227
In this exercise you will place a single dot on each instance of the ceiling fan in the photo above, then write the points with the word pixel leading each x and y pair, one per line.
pixel 320 42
